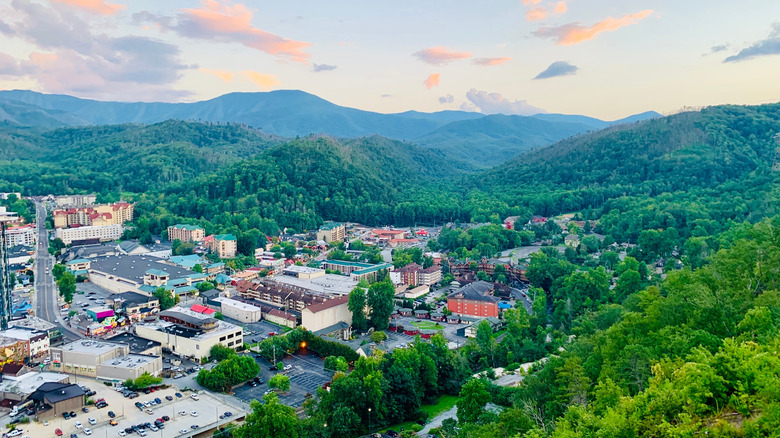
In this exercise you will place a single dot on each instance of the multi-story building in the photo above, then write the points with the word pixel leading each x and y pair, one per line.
pixel 326 314
pixel 430 275
pixel 186 233
pixel 332 232
pixel 105 360
pixel 191 332
pixel 474 299
pixel 407 275
pixel 225 245
pixel 133 305
pixel 21 344
pixel 96 215
pixel 278 294
pixel 356 270
pixel 75 200
pixel 22 235
pixel 103 233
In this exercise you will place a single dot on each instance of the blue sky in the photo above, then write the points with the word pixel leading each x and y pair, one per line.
pixel 600 58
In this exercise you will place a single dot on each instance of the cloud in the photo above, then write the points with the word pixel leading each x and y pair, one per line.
pixel 215 21
pixel 440 55
pixel 495 103
pixel 490 61
pixel 322 67
pixel 263 80
pixel 574 33
pixel 765 47
pixel 96 6
pixel 560 8
pixel 432 81
pixel 530 2
pixel 536 14
pixel 558 68
pixel 226 76
pixel 71 58
pixel 447 99
pixel 8 65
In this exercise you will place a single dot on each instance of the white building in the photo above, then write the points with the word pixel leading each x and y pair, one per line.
pixel 75 200
pixel 105 233
pixel 239 311
pixel 105 360
pixel 24 235
pixel 191 334
pixel 326 314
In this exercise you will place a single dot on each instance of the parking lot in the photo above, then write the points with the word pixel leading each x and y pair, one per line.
pixel 208 409
pixel 306 375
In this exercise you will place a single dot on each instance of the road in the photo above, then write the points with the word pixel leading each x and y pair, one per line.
pixel 47 306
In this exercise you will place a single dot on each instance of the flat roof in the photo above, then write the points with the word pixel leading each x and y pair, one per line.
pixel 222 328
pixel 133 267
pixel 237 304
pixel 28 383
pixel 90 346
pixel 324 284
pixel 346 263
pixel 302 269
pixel 136 343
pixel 130 361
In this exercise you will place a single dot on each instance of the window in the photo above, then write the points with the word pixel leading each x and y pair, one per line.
pixel 222 339
pixel 231 335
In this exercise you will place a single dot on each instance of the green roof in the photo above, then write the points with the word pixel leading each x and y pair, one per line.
pixel 224 237
pixel 345 263
pixel 157 272
pixel 187 227
pixel 147 288
pixel 331 225
pixel 184 289
pixel 77 261
pixel 372 269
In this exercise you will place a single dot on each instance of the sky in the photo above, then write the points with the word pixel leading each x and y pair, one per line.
pixel 606 59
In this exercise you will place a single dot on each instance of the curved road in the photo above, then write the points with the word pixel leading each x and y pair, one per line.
pixel 46 297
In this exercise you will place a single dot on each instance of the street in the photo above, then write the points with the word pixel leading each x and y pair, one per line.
pixel 46 304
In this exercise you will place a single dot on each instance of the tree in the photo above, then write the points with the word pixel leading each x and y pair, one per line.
pixel 166 298
pixel 378 336
pixel 357 305
pixel 472 400
pixel 67 286
pixel 57 271
pixel 197 268
pixel 146 380
pixel 220 352
pixel 280 382
pixel 336 363
pixel 219 316
pixel 269 419
pixel 380 300
pixel 203 286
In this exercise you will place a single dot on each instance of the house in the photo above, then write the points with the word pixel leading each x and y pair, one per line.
pixel 325 314
pixel 475 299
pixel 572 240
pixel 471 330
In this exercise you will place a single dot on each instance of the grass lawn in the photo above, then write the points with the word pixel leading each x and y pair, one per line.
pixel 427 325
pixel 445 403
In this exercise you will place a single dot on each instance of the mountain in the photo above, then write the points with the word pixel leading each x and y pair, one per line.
pixel 22 114
pixel 481 140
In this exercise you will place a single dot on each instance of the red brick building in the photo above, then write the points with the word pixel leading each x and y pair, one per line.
pixel 475 299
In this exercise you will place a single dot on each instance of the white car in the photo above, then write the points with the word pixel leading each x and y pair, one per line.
pixel 154 428
pixel 183 430
pixel 287 367
pixel 194 413
pixel 183 413
pixel 15 432
pixel 122 433
pixel 194 397
pixel 78 425
pixel 92 421
pixel 87 431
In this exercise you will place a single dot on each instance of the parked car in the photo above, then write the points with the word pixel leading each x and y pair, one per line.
pixel 183 413
pixel 111 414
pixel 166 418
pixel 58 432
pixel 194 397
pixel 87 431
pixel 178 394
pixel 78 425
pixel 168 397
pixel 65 415
pixel 122 433
pixel 113 422
pixel 91 421
pixel 194 413
pixel 157 400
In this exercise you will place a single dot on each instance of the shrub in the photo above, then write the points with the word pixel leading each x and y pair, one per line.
pixel 416 428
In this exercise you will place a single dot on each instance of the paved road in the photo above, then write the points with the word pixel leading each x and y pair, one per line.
pixel 438 420
pixel 46 297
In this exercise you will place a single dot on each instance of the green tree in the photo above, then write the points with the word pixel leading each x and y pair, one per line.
pixel 472 400
pixel 336 363
pixel 219 316
pixel 269 419
pixel 380 301
pixel 220 352
pixel 146 380
pixel 357 305
pixel 166 298
pixel 280 382
pixel 378 336
pixel 67 286
pixel 197 268
pixel 57 271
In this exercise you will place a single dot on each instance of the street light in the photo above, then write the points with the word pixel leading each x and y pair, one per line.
pixel 369 420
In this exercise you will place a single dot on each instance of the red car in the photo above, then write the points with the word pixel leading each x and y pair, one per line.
pixel 57 432
pixel 271 334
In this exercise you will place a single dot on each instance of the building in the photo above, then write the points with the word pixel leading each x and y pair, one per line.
pixel 186 233
pixel 18 386
pixel 572 240
pixel 95 215
pixel 137 345
pixel 142 274
pixel 429 276
pixel 414 274
pixel 474 299
pixel 78 266
pixel 282 318
pixel 387 235
pixel 38 324
pixel 471 330
pixel 52 399
pixel 303 272
pixel 332 232
pixel 133 306
pixel 325 314
pixel 238 310
pixel 356 270
pixel 102 233
pixel 102 360
pixel 21 344
pixel 225 245
pixel 278 294
pixel 75 200
pixel 22 235
pixel 188 333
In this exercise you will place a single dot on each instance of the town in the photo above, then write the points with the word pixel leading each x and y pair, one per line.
pixel 96 319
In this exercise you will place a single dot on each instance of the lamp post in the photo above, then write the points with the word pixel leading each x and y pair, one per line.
pixel 369 420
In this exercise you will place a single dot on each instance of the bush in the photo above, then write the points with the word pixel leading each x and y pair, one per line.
pixel 416 428
pixel 24 420
pixel 229 373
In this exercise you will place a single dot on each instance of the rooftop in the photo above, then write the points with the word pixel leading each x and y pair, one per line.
pixel 324 284
pixel 133 267
pixel 319 307
pixel 28 383
pixel 90 346
pixel 77 261
pixel 130 298
pixel 237 304
pixel 224 237
pixel 53 392
pixel 331 225
pixel 137 345
pixel 187 227
pixel 476 291
pixel 130 361
pixel 302 269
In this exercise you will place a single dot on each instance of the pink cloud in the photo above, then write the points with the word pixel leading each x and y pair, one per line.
pixel 560 8
pixel 263 80
pixel 491 61
pixel 226 76
pixel 440 55
pixel 531 2
pixel 96 6
pixel 575 33
pixel 233 23
pixel 432 81
pixel 536 14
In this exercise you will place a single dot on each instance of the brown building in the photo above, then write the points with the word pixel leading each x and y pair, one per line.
pixel 55 398
pixel 278 294
pixel 474 299
pixel 96 215
pixel 186 233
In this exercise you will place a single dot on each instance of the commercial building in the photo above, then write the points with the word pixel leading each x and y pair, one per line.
pixel 34 323
pixel 102 360
pixel 137 345
pixel 142 274
pixel 53 399
pixel 387 235
pixel 186 233
pixel 96 215
pixel 103 233
pixel 75 200
pixel 225 245
pixel 238 310
pixel 325 314
pixel 134 306
pixel 19 345
pixel 331 232
pixel 356 270
pixel 303 272
pixel 189 333
pixel 18 386
pixel 22 235
pixel 284 295
pixel 474 299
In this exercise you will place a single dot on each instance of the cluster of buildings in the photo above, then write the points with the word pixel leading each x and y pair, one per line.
pixel 225 245
pixel 85 221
